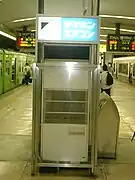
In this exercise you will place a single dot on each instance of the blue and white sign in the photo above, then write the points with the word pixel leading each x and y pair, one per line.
pixel 68 29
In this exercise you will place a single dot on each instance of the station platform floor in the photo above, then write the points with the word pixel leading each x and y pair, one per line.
pixel 16 128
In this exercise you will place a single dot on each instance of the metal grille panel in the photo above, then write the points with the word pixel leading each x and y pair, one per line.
pixel 65 107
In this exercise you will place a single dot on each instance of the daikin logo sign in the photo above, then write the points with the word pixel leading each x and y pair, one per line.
pixel 68 29
pixel 79 29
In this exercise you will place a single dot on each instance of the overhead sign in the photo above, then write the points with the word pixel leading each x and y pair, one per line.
pixel 124 43
pixel 83 30
pixel 26 39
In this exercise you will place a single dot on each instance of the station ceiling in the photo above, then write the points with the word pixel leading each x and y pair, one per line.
pixel 111 12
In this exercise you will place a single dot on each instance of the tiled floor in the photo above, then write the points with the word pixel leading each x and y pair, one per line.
pixel 15 137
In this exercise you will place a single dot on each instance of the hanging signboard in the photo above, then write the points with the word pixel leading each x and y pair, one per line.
pixel 62 29
pixel 124 43
pixel 26 39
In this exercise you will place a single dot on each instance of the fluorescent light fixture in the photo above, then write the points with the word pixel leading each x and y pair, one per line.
pixel 108 28
pixel 7 35
pixel 33 30
pixel 102 40
pixel 128 30
pixel 103 35
pixel 123 30
pixel 117 17
pixel 22 20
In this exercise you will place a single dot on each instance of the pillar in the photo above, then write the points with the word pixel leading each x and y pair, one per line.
pixel 117 31
pixel 41 6
pixel 40 47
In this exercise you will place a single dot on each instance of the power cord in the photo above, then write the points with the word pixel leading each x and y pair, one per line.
pixel 103 171
pixel 25 166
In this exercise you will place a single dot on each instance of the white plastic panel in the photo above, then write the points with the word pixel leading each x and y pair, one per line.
pixel 64 137
pixel 62 142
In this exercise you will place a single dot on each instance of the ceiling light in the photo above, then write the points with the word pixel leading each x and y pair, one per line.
pixel 108 28
pixel 26 19
pixel 128 30
pixel 123 30
pixel 7 35
pixel 118 17
pixel 103 35
pixel 102 40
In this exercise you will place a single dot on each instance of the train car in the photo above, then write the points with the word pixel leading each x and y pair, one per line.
pixel 12 69
pixel 124 69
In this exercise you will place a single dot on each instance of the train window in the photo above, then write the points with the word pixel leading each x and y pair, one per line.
pixel 20 67
pixel 0 67
pixel 7 67
pixel 123 68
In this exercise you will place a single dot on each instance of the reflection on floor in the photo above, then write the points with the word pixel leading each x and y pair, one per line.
pixel 15 137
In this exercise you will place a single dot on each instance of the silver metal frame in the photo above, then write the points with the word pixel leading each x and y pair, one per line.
pixel 36 131
pixel 93 98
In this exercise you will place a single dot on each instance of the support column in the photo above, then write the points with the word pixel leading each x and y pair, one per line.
pixel 94 50
pixel 25 28
pixel 41 6
pixel 40 47
pixel 117 32
pixel 36 98
pixel 95 7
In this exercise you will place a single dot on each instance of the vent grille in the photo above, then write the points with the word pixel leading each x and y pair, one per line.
pixel 65 107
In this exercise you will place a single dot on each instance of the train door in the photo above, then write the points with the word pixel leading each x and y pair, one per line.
pixel 19 70
pixel 130 72
pixel 13 71
pixel 7 73
pixel 1 73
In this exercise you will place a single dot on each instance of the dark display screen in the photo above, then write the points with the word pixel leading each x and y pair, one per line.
pixel 126 43
pixel 26 39
pixel 66 52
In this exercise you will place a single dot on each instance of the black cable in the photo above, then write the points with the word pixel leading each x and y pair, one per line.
pixel 103 171
pixel 25 166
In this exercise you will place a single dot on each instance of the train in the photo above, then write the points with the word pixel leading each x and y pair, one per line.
pixel 12 69
pixel 124 69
